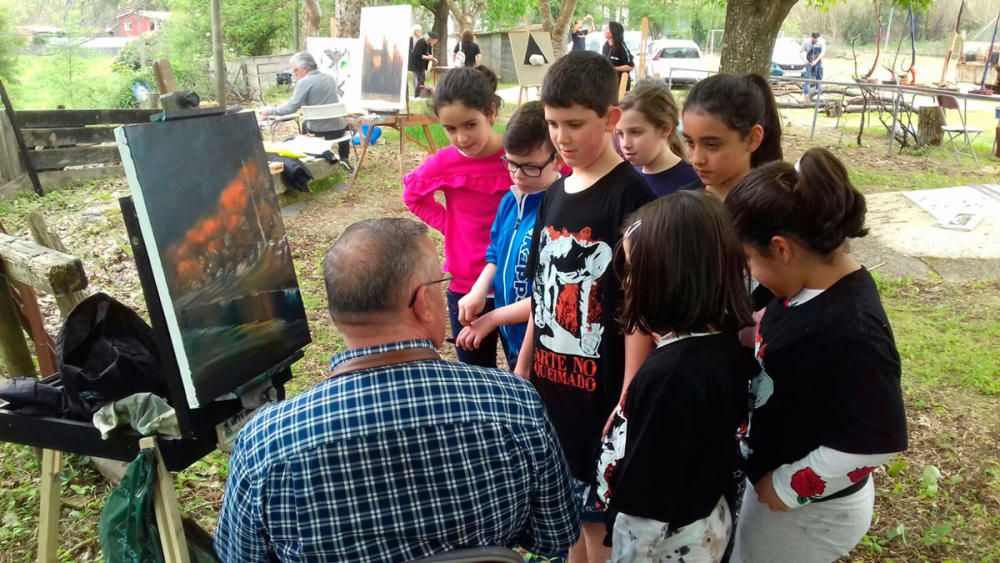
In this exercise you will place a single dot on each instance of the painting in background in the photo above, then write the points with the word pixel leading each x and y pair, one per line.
pixel 341 59
pixel 385 35
pixel 220 258
pixel 533 54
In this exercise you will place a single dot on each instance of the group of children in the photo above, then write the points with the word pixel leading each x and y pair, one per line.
pixel 621 288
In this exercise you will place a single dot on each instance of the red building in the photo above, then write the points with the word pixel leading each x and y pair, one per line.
pixel 137 22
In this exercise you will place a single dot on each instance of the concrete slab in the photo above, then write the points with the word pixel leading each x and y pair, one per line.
pixel 923 223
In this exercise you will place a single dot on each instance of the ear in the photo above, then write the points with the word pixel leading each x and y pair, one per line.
pixel 423 309
pixel 782 249
pixel 755 137
pixel 611 118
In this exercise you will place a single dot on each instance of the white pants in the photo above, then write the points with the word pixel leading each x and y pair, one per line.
pixel 817 532
pixel 643 539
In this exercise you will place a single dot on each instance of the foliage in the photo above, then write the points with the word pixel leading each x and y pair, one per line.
pixel 685 19
pixel 250 28
pixel 9 43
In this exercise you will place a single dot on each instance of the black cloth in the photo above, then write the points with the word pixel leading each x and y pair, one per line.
pixel 680 176
pixel 31 397
pixel 684 408
pixel 295 174
pixel 470 50
pixel 580 39
pixel 835 373
pixel 619 55
pixel 420 48
pixel 579 353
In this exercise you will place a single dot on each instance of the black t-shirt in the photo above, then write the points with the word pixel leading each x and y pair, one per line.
pixel 579 354
pixel 684 409
pixel 830 378
pixel 680 176
pixel 420 48
pixel 580 39
pixel 470 50
pixel 619 55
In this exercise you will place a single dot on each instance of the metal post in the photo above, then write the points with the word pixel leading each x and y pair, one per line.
pixel 897 94
pixel 812 131
pixel 220 61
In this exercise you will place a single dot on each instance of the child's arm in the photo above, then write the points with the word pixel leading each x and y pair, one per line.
pixel 820 474
pixel 523 367
pixel 473 334
pixel 638 345
pixel 418 195
pixel 474 302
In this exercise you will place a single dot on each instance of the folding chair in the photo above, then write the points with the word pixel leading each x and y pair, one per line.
pixel 949 102
pixel 475 555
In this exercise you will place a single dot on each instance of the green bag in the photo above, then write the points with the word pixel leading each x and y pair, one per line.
pixel 128 522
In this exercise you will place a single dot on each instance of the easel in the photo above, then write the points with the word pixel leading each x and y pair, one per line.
pixel 640 71
pixel 523 94
pixel 399 122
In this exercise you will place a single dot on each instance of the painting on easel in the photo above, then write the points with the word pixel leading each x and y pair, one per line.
pixel 217 248
pixel 341 59
pixel 385 33
pixel 533 54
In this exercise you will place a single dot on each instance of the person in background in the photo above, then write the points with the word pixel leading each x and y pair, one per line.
pixel 580 31
pixel 467 52
pixel 399 454
pixel 314 88
pixel 616 51
pixel 812 53
pixel 416 32
pixel 420 55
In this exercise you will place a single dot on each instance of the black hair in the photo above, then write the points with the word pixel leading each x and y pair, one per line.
pixel 709 293
pixel 527 130
pixel 816 205
pixel 432 35
pixel 617 32
pixel 584 78
pixel 814 35
pixel 741 102
pixel 475 88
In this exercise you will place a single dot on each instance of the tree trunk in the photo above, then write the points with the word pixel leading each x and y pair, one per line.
pixel 929 123
pixel 751 28
pixel 440 12
pixel 313 12
pixel 466 14
pixel 349 17
pixel 559 29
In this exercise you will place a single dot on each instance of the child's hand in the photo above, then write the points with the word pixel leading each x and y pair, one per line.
pixel 473 334
pixel 767 495
pixel 470 306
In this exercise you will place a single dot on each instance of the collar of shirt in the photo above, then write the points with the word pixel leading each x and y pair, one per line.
pixel 342 357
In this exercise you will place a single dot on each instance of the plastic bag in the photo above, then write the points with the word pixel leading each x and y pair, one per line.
pixel 128 529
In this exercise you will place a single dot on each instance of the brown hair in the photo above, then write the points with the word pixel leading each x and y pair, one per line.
pixel 686 271
pixel 816 204
pixel 657 105
pixel 527 130
pixel 583 78
pixel 467 36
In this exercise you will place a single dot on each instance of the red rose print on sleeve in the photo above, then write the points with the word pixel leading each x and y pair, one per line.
pixel 807 484
pixel 859 473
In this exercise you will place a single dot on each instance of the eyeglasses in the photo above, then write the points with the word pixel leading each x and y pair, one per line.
pixel 529 170
pixel 413 300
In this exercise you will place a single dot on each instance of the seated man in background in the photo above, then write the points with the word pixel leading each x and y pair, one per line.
pixel 314 88
pixel 400 454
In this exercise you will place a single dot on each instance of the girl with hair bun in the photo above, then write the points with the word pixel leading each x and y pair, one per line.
pixel 827 404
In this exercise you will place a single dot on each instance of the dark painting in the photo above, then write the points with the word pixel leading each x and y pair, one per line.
pixel 385 33
pixel 220 257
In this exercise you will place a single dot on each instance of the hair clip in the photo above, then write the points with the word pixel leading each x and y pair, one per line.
pixel 798 169
pixel 632 228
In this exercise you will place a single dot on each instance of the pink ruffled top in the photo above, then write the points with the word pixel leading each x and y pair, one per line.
pixel 472 188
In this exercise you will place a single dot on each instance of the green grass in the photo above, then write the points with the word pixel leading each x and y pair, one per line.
pixel 77 79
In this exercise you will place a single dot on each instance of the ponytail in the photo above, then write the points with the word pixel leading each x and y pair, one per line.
pixel 475 88
pixel 770 145
pixel 815 204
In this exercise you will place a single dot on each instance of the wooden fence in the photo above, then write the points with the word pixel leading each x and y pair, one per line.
pixel 251 76
pixel 65 146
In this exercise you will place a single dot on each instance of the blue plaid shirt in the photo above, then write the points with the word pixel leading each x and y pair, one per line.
pixel 396 463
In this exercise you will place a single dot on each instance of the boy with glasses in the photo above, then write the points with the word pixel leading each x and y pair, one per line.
pixel 534 165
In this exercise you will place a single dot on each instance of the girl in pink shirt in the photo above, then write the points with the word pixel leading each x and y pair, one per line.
pixel 473 180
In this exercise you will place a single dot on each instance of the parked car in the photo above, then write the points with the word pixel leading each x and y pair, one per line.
pixel 595 41
pixel 681 54
pixel 786 55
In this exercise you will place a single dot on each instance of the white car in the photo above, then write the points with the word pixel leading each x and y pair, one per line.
pixel 786 55
pixel 683 55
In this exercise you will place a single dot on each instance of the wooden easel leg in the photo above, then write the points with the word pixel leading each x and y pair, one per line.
pixel 48 519
pixel 432 146
pixel 361 159
pixel 520 96
pixel 168 513
pixel 400 125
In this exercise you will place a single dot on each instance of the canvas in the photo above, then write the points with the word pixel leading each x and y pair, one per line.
pixel 217 247
pixel 385 35
pixel 523 46
pixel 340 58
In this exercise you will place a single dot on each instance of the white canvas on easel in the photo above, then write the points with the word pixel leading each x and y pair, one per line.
pixel 385 35
pixel 525 45
pixel 341 59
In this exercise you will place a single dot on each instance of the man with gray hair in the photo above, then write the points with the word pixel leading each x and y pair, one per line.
pixel 399 454
pixel 314 88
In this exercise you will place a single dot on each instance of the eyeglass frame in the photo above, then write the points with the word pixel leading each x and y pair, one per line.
pixel 413 300
pixel 522 167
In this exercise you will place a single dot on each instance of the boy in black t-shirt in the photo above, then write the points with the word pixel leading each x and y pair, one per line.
pixel 574 351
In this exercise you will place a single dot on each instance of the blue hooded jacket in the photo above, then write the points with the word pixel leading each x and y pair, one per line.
pixel 510 244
